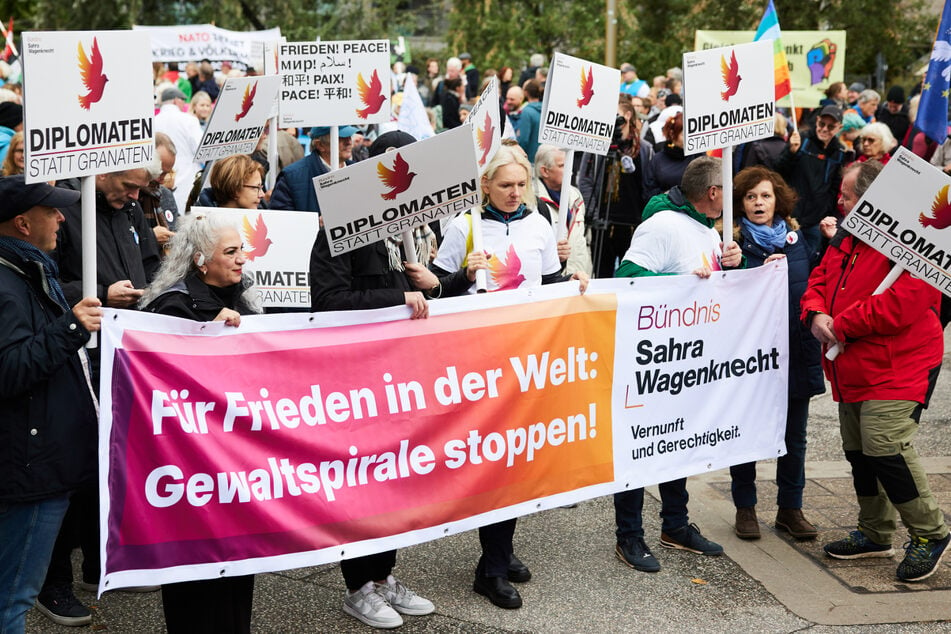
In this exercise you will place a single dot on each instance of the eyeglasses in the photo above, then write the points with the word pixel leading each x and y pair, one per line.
pixel 260 188
pixel 870 139
pixel 827 125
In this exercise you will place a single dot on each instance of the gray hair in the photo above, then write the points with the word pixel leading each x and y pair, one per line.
pixel 197 234
pixel 454 62
pixel 545 157
pixel 865 173
pixel 537 59
pixel 869 95
pixel 701 174
pixel 883 132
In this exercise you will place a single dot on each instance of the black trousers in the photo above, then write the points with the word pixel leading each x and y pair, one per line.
pixel 496 541
pixel 222 606
pixel 359 570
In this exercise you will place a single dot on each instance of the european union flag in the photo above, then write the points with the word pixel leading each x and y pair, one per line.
pixel 933 108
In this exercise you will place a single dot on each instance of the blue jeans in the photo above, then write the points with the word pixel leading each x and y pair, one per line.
pixel 629 505
pixel 790 469
pixel 29 531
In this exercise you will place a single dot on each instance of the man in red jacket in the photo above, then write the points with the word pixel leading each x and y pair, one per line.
pixel 891 348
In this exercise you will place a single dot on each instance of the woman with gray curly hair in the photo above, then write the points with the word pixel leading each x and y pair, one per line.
pixel 203 279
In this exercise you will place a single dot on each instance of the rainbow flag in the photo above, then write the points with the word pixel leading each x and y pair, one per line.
pixel 768 29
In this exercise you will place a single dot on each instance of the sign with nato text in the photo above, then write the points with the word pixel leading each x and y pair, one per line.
pixel 89 103
pixel 729 96
pixel 190 42
pixel 334 83
pixel 399 190
pixel 905 215
pixel 580 105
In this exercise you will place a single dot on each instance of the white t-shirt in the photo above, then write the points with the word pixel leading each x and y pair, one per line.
pixel 519 253
pixel 673 242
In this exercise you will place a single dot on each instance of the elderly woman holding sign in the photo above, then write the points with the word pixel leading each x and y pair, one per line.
pixel 202 279
pixel 370 277
pixel 766 231
pixel 519 252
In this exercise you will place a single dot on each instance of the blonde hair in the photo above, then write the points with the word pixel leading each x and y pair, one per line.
pixel 508 155
pixel 9 165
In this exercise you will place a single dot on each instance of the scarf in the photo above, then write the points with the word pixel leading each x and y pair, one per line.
pixel 767 237
pixel 29 253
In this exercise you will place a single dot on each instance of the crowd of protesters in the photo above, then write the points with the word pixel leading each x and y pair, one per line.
pixel 791 192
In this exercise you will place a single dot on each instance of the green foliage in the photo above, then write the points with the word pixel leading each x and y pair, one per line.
pixel 653 34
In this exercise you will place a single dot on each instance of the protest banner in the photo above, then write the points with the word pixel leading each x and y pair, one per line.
pixel 580 105
pixel 239 118
pixel 398 191
pixel 192 42
pixel 89 104
pixel 485 120
pixel 277 245
pixel 334 83
pixel 816 59
pixel 904 214
pixel 300 439
pixel 729 97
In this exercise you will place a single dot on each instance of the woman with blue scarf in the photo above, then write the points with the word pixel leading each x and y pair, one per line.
pixel 766 232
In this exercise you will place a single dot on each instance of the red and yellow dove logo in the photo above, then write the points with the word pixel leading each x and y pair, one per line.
pixel 940 211
pixel 90 71
pixel 731 76
pixel 256 238
pixel 372 96
pixel 484 136
pixel 507 274
pixel 397 179
pixel 247 101
pixel 587 86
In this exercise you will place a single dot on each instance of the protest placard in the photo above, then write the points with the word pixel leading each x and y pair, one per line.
pixel 89 103
pixel 192 42
pixel 296 440
pixel 729 96
pixel 816 59
pixel 398 191
pixel 334 83
pixel 239 118
pixel 486 121
pixel 277 246
pixel 580 105
pixel 904 214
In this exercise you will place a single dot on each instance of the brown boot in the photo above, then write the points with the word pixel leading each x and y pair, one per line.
pixel 746 526
pixel 793 522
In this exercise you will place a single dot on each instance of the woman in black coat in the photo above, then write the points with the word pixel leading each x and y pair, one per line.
pixel 203 279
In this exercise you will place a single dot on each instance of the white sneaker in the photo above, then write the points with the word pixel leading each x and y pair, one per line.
pixel 404 600
pixel 369 606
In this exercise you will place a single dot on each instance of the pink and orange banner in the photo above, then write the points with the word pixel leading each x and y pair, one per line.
pixel 272 442
pixel 296 440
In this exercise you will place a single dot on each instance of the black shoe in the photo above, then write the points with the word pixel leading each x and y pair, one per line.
pixel 60 605
pixel 518 572
pixel 498 591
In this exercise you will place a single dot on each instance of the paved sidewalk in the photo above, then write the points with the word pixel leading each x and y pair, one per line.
pixel 770 585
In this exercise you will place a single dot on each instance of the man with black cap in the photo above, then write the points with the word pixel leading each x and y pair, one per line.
pixel 894 113
pixel 372 276
pixel 813 167
pixel 472 76
pixel 294 189
pixel 11 122
pixel 47 407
